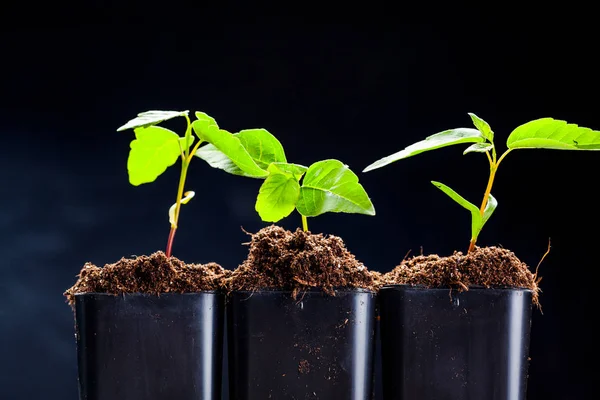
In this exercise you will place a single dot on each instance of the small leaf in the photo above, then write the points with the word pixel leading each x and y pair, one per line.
pixel 476 220
pixel 295 170
pixel 204 123
pixel 227 144
pixel 150 118
pixel 478 148
pixel 483 127
pixel 439 140
pixel 490 207
pixel 262 146
pixel 152 151
pixel 187 197
pixel 549 133
pixel 277 197
pixel 330 186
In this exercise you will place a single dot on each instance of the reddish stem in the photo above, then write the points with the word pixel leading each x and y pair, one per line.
pixel 170 241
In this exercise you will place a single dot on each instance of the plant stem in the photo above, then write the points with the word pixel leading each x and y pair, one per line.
pixel 184 168
pixel 493 168
pixel 304 224
pixel 185 162
pixel 486 196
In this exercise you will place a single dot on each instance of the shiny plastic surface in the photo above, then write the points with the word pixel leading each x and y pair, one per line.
pixel 139 346
pixel 314 347
pixel 450 345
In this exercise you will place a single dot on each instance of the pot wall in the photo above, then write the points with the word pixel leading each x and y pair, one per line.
pixel 139 346
pixel 315 347
pixel 450 345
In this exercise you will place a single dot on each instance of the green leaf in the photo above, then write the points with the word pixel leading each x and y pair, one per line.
pixel 261 146
pixel 477 221
pixel 295 170
pixel 483 127
pixel 478 148
pixel 330 186
pixel 439 140
pixel 277 197
pixel 549 133
pixel 204 124
pixel 228 145
pixel 152 151
pixel 150 118
pixel 490 207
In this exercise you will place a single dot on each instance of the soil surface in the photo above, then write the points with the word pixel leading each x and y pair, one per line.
pixel 297 261
pixel 484 266
pixel 154 274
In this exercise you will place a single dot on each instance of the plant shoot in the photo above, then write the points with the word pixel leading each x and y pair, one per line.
pixel 325 186
pixel 543 133
pixel 155 149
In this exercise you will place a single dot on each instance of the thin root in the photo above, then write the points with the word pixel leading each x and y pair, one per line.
pixel 535 276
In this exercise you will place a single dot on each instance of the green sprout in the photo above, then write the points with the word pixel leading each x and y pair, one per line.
pixel 543 133
pixel 325 186
pixel 155 148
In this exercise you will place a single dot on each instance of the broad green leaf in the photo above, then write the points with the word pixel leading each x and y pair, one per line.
pixel 439 140
pixel 330 186
pixel 262 146
pixel 483 127
pixel 153 150
pixel 476 220
pixel 227 144
pixel 478 148
pixel 277 197
pixel 150 118
pixel 295 170
pixel 549 133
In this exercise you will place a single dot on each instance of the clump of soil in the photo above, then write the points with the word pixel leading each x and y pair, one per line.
pixel 303 367
pixel 484 266
pixel 153 274
pixel 297 261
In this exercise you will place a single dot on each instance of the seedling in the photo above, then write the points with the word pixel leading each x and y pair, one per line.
pixel 325 186
pixel 543 133
pixel 155 148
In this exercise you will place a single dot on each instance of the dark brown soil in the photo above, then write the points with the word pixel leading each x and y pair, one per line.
pixel 154 274
pixel 297 261
pixel 303 367
pixel 484 266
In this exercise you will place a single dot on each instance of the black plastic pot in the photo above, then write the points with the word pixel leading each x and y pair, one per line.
pixel 139 346
pixel 315 347
pixel 450 345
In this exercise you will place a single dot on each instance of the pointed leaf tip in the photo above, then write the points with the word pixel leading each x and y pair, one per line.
pixel 433 142
pixel 150 118
pixel 482 127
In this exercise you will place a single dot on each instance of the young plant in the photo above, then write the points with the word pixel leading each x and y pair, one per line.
pixel 543 133
pixel 155 148
pixel 325 186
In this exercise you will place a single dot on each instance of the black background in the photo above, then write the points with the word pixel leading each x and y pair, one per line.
pixel 353 91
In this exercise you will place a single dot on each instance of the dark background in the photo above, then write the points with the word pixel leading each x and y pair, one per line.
pixel 355 92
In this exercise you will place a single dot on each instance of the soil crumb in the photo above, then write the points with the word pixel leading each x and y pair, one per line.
pixel 303 367
pixel 153 274
pixel 297 261
pixel 484 266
